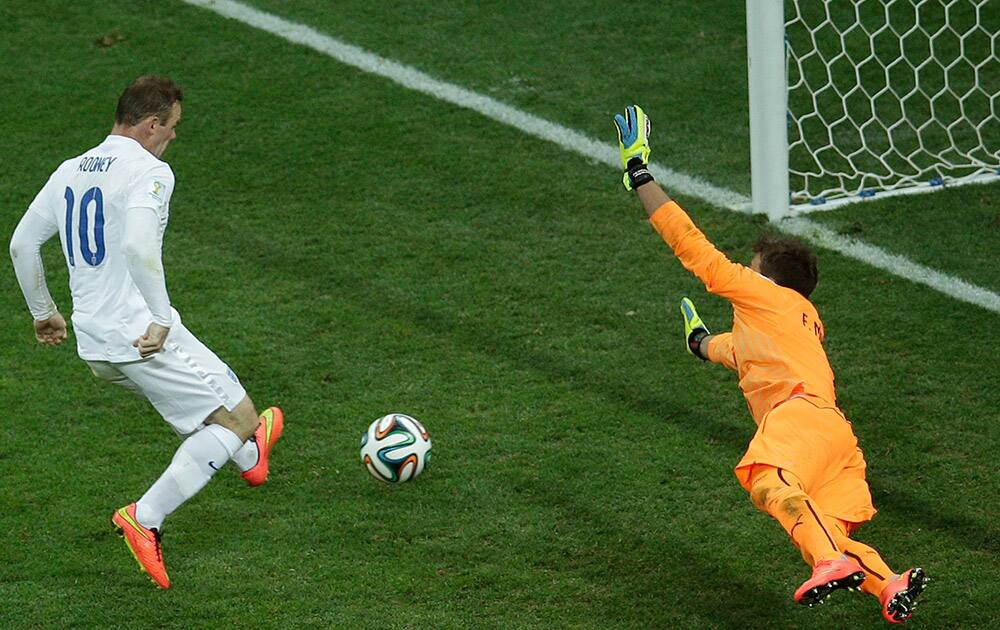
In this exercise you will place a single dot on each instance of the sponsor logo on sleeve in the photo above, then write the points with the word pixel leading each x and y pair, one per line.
pixel 156 192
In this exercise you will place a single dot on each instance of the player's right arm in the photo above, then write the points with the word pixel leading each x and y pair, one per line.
pixel 32 231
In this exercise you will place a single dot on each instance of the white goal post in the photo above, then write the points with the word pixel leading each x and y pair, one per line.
pixel 860 99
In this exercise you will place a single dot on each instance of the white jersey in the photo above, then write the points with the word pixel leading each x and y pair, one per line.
pixel 87 197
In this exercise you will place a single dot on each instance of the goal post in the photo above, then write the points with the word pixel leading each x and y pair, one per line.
pixel 859 99
pixel 768 107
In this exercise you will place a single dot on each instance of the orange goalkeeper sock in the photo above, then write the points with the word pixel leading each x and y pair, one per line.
pixel 877 572
pixel 779 493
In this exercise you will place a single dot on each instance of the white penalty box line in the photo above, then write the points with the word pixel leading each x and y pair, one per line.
pixel 592 149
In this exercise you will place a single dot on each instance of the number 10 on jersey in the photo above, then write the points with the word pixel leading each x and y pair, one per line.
pixel 92 257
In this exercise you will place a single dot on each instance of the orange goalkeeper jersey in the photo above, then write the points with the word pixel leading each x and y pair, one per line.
pixel 776 344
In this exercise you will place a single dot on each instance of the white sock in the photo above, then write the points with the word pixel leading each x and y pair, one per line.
pixel 246 458
pixel 194 463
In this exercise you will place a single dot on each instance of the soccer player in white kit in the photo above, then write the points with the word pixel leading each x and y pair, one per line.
pixel 110 207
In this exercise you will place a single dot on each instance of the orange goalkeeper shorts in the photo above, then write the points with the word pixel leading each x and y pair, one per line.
pixel 813 439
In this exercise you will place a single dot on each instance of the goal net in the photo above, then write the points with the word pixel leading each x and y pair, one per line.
pixel 888 96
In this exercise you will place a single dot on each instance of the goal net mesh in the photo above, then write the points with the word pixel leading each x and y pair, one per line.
pixel 891 94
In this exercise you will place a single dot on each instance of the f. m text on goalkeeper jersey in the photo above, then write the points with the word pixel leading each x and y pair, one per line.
pixel 816 326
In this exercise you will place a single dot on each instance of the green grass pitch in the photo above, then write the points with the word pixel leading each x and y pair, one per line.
pixel 352 248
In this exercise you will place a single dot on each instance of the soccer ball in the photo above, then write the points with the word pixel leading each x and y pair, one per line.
pixel 395 448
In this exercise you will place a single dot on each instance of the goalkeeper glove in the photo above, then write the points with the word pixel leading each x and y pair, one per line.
pixel 633 143
pixel 694 329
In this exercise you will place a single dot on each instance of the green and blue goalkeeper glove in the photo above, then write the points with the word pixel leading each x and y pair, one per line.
pixel 694 329
pixel 633 143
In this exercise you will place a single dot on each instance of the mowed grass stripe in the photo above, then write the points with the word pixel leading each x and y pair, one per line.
pixel 584 478
pixel 599 151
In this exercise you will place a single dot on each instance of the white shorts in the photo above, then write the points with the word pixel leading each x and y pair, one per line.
pixel 185 381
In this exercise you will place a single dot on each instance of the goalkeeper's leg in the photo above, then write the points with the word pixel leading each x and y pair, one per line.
pixel 877 572
pixel 897 592
pixel 780 493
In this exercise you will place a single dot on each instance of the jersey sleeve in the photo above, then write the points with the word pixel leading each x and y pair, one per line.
pixel 735 282
pixel 152 190
pixel 49 201
pixel 720 350
pixel 25 246
pixel 142 245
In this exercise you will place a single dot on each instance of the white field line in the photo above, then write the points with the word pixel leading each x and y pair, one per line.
pixel 588 147
pixel 893 263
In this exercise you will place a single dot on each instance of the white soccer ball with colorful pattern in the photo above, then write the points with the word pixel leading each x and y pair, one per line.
pixel 395 448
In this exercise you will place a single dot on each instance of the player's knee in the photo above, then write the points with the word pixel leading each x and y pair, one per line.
pixel 242 420
pixel 759 495
pixel 771 499
pixel 792 504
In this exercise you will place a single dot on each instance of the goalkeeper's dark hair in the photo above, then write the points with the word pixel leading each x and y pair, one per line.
pixel 149 95
pixel 788 261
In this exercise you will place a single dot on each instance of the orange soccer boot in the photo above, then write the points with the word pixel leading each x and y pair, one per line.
pixel 143 543
pixel 827 577
pixel 272 422
pixel 899 597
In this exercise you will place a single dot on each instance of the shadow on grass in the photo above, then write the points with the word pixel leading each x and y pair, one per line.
pixel 666 580
pixel 908 504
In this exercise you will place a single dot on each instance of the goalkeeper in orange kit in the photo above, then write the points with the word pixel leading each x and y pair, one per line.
pixel 803 466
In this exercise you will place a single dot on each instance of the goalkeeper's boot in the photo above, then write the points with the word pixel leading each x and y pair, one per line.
pixel 694 329
pixel 272 422
pixel 827 577
pixel 899 597
pixel 144 544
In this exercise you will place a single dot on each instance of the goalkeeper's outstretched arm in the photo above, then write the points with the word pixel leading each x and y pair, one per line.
pixel 721 276
pixel 651 196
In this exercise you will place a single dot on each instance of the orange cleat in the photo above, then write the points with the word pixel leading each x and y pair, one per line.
pixel 143 543
pixel 272 421
pixel 827 577
pixel 899 597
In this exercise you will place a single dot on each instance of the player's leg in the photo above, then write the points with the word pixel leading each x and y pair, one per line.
pixel 261 432
pixel 781 494
pixel 877 572
pixel 848 500
pixel 253 459
pixel 845 496
pixel 194 463
pixel 200 397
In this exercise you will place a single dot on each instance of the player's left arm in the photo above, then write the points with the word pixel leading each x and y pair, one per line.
pixel 717 348
pixel 25 254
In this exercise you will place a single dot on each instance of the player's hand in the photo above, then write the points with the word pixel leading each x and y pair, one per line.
pixel 694 329
pixel 152 342
pixel 51 331
pixel 633 145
